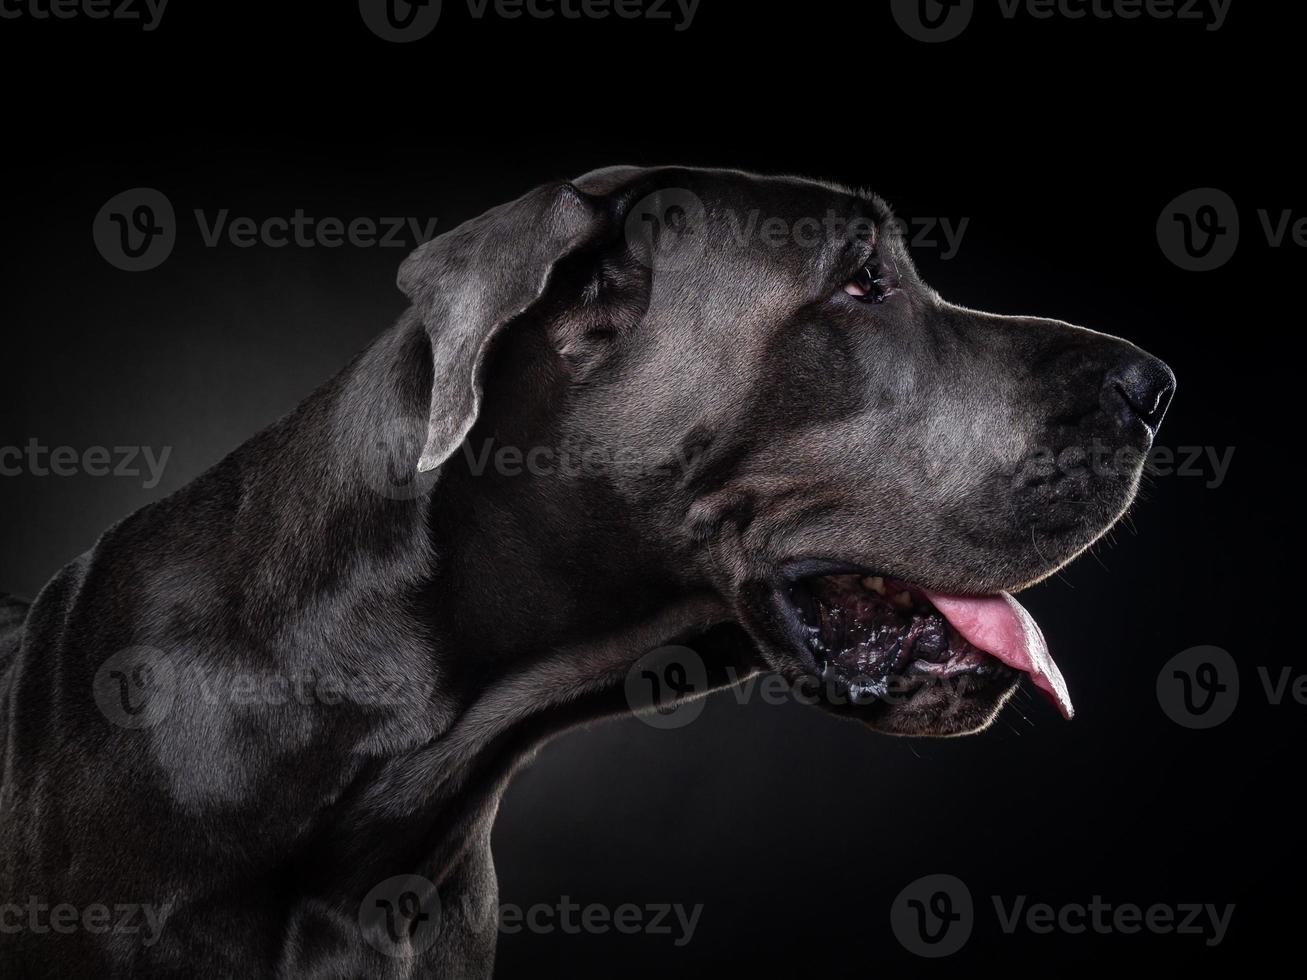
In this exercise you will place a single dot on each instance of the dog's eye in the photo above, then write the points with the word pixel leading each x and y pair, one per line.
pixel 870 285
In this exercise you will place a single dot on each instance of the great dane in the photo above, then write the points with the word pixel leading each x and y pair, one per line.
pixel 263 726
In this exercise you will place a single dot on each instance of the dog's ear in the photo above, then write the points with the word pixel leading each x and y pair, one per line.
pixel 470 282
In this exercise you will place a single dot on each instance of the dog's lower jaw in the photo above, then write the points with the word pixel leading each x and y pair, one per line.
pixel 969 714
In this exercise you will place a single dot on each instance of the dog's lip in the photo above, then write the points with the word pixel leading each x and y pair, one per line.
pixel 995 623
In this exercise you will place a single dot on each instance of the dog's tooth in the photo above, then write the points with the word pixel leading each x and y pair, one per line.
pixel 902 600
pixel 874 583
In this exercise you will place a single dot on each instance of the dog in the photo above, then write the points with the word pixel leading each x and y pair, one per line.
pixel 798 458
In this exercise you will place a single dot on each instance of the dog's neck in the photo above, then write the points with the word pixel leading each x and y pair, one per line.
pixel 488 595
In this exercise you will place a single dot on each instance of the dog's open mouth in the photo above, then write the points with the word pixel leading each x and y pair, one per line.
pixel 876 637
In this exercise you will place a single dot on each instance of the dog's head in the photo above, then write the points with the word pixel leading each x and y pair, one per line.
pixel 762 397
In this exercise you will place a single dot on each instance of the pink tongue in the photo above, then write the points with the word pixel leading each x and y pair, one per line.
pixel 1000 626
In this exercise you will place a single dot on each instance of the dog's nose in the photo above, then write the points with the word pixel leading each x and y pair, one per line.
pixel 1139 388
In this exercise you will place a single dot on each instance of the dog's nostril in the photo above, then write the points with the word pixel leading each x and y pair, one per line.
pixel 1140 388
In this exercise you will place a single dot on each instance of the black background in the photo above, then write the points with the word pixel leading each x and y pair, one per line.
pixel 1061 141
